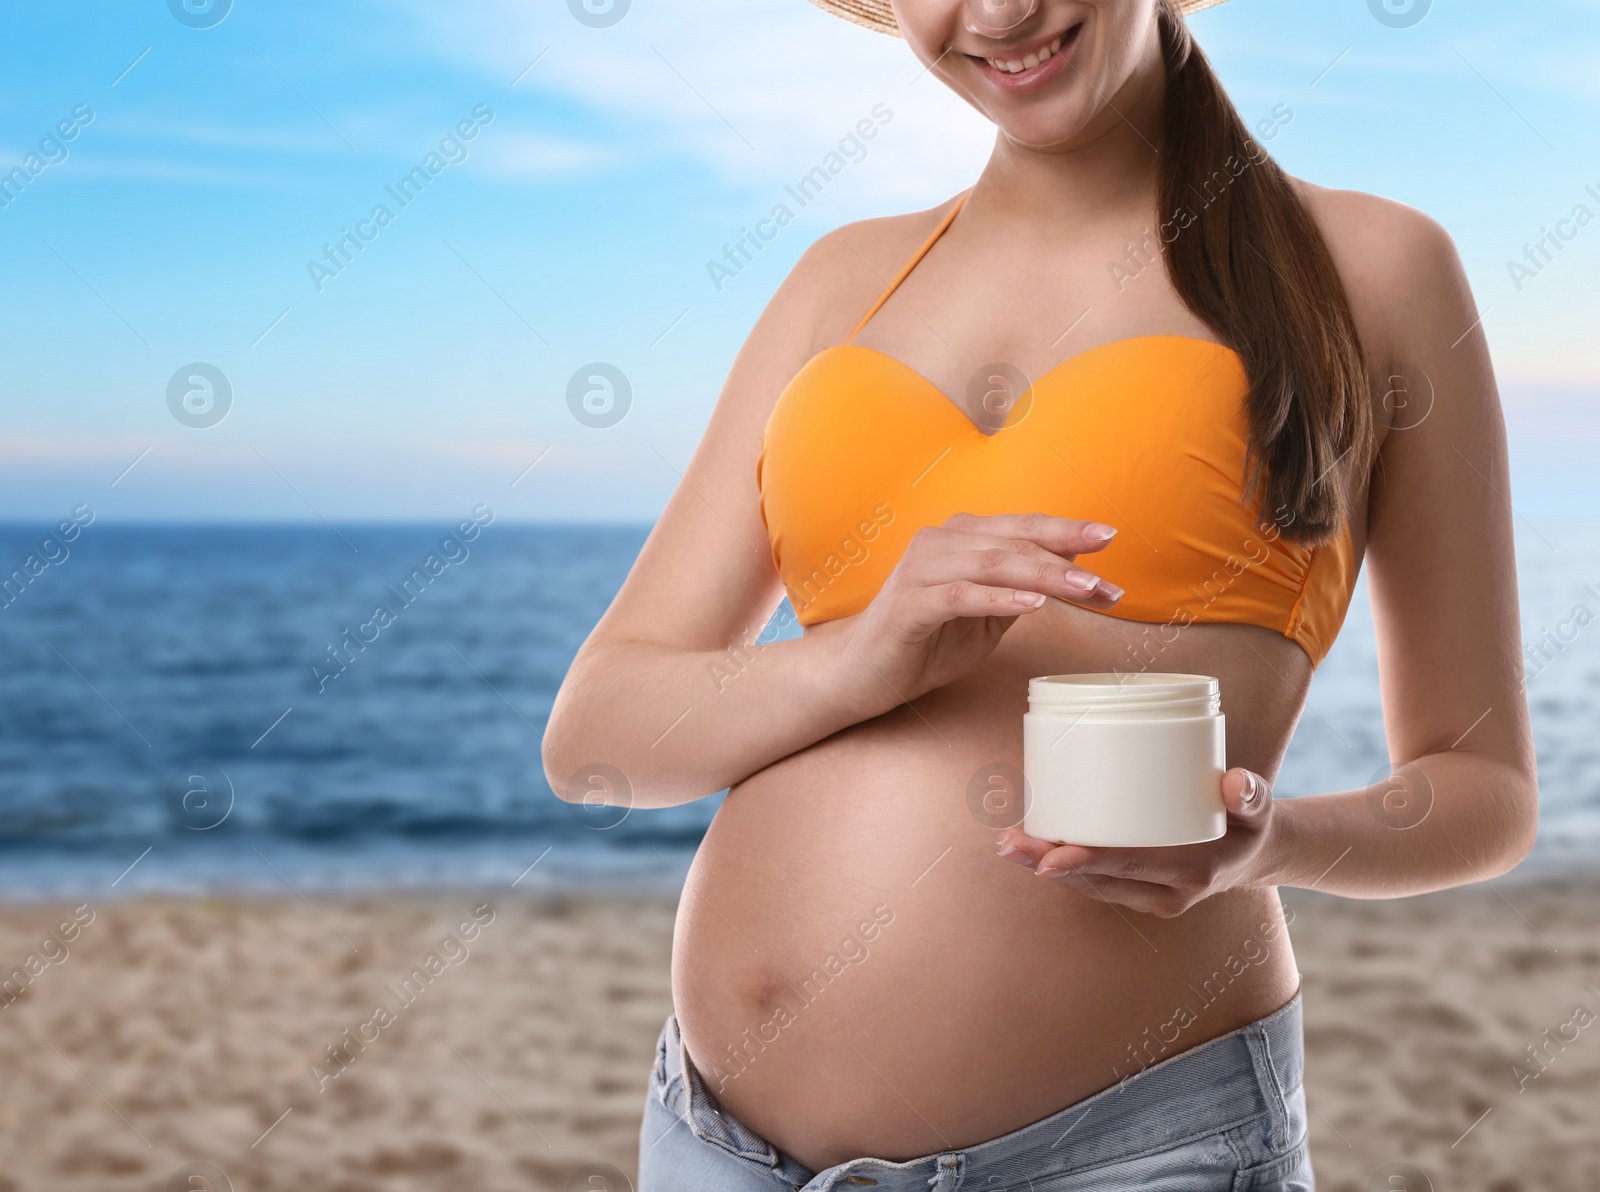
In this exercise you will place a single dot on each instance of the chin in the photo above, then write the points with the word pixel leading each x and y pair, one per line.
pixel 1042 131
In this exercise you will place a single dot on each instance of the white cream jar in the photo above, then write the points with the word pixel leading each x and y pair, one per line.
pixel 1124 761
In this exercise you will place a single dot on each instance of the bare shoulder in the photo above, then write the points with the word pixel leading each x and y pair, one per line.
pixel 1400 269
pixel 817 306
pixel 845 270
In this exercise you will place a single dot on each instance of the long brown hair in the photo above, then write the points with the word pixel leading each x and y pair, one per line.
pixel 1252 265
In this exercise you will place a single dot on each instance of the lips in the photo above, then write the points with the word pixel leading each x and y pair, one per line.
pixel 1023 67
pixel 1016 65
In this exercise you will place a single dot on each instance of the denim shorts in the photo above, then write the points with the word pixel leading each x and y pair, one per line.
pixel 1229 1114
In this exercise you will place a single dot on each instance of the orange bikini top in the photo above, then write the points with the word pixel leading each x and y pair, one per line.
pixel 1146 434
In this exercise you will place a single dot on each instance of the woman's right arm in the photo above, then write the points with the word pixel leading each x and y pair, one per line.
pixel 654 692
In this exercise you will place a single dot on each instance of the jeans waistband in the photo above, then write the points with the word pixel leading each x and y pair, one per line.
pixel 1239 1077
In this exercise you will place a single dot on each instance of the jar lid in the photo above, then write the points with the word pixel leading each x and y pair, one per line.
pixel 1143 690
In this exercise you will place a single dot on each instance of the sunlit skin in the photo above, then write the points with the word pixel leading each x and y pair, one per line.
pixel 1015 974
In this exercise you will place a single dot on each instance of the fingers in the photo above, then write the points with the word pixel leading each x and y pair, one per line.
pixel 1016 845
pixel 945 555
pixel 1185 866
pixel 1067 866
pixel 962 598
pixel 1246 795
pixel 1164 866
pixel 1138 864
pixel 1003 565
pixel 1060 535
pixel 1124 877
pixel 1148 898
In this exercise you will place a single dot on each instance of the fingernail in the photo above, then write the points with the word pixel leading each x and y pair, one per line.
pixel 1030 599
pixel 1099 532
pixel 1251 787
pixel 1047 872
pixel 1110 590
pixel 1009 849
pixel 1081 581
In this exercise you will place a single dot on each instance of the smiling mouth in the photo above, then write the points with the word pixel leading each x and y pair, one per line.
pixel 1014 63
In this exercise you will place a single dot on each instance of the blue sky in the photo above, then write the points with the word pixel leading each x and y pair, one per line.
pixel 576 227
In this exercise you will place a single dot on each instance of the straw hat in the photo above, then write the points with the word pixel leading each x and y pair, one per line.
pixel 878 16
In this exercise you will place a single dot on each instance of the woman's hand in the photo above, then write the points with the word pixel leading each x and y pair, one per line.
pixel 956 591
pixel 1162 881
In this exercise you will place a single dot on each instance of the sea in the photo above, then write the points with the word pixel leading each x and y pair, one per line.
pixel 192 709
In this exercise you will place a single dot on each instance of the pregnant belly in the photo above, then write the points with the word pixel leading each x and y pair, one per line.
pixel 856 972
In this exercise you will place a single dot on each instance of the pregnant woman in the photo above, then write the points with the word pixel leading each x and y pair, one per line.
pixel 1135 402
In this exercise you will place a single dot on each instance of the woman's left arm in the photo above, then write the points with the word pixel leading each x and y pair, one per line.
pixel 1461 803
pixel 1441 570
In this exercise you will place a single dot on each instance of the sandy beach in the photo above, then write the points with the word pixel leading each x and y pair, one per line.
pixel 517 1032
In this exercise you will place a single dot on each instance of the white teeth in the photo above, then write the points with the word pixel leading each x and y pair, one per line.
pixel 1012 66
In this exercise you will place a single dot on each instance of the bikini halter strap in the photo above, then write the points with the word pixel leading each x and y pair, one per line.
pixel 910 265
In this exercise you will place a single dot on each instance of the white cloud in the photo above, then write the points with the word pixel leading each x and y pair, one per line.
pixel 185 131
pixel 157 169
pixel 756 93
pixel 534 154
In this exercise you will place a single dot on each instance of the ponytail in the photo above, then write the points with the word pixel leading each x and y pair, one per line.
pixel 1251 263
